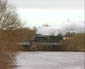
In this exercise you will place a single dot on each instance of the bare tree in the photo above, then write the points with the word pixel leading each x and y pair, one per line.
pixel 9 23
pixel 8 17
pixel 3 6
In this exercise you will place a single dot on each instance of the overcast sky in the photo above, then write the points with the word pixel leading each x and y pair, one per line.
pixel 52 12
pixel 48 3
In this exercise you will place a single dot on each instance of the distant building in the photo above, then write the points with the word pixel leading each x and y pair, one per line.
pixel 40 41
pixel 45 40
pixel 68 36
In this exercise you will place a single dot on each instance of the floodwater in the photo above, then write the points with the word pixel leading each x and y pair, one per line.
pixel 50 60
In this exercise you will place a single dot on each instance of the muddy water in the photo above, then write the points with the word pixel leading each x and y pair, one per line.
pixel 50 60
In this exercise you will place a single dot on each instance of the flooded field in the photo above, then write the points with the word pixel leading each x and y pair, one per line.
pixel 50 60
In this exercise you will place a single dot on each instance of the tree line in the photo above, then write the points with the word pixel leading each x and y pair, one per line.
pixel 11 32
